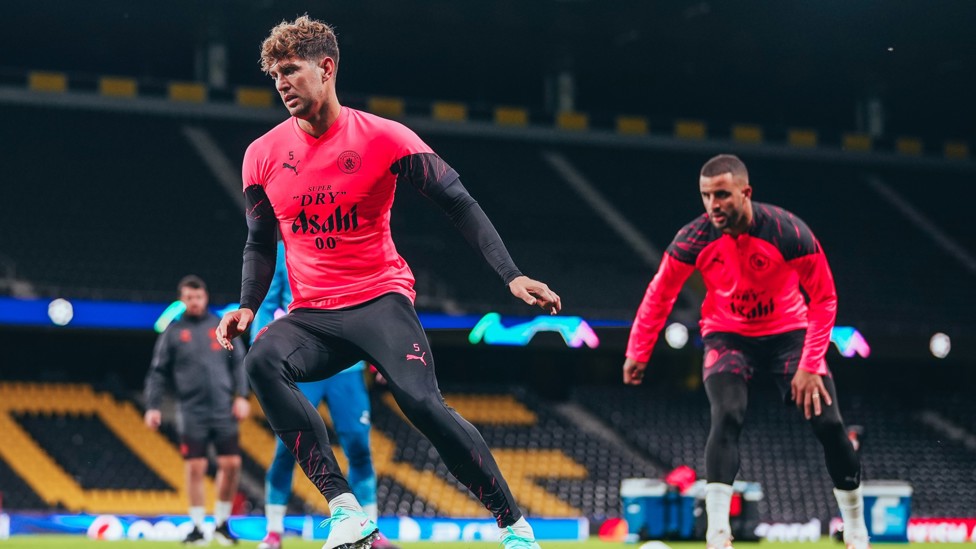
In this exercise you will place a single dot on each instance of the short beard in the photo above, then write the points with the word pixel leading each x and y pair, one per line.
pixel 733 221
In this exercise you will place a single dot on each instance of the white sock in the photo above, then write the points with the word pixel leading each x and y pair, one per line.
pixel 851 503
pixel 221 512
pixel 521 528
pixel 372 510
pixel 196 516
pixel 346 501
pixel 718 500
pixel 276 517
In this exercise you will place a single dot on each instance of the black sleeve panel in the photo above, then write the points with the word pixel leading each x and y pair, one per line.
pixel 786 231
pixel 430 175
pixel 692 239
pixel 261 249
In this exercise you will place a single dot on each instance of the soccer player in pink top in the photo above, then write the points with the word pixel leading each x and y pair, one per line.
pixel 754 259
pixel 325 178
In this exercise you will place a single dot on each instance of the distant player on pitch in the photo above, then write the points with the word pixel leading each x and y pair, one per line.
pixel 756 260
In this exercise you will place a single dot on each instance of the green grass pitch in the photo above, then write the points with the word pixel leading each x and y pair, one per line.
pixel 79 542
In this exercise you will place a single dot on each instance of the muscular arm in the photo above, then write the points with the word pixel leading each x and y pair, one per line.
pixel 818 282
pixel 656 306
pixel 260 250
pixel 441 184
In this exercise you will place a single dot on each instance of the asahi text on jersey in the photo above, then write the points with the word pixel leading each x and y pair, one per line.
pixel 315 219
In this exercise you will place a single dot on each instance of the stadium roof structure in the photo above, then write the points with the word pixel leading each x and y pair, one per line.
pixel 880 67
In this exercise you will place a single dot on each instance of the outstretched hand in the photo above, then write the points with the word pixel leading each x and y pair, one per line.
pixel 809 393
pixel 232 325
pixel 634 371
pixel 534 292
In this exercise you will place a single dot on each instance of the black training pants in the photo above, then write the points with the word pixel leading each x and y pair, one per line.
pixel 312 344
pixel 731 360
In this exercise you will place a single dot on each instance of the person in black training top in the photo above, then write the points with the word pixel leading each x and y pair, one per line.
pixel 211 386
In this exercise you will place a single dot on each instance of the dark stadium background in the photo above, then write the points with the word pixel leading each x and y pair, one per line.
pixel 884 70
pixel 779 63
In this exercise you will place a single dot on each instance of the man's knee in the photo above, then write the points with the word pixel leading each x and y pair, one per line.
pixel 262 363
pixel 827 425
pixel 229 463
pixel 728 395
pixel 424 409
pixel 728 419
pixel 196 468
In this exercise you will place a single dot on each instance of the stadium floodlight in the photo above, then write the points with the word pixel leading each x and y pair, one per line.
pixel 940 345
pixel 60 311
pixel 676 334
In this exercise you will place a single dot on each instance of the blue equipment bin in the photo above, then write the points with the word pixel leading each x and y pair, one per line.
pixel 887 507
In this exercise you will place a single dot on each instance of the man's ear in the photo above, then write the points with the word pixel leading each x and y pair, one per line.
pixel 747 190
pixel 328 66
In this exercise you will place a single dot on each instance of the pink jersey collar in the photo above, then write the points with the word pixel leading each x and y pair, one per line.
pixel 332 131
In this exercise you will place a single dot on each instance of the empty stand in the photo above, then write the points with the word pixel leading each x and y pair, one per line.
pixel 89 452
pixel 17 494
pixel 954 407
pixel 935 196
pixel 545 457
pixel 780 452
pixel 114 205
pixel 111 433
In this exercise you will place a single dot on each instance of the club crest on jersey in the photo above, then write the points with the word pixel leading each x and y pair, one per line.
pixel 758 262
pixel 349 162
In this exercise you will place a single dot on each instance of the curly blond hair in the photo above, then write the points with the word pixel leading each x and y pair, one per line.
pixel 304 38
